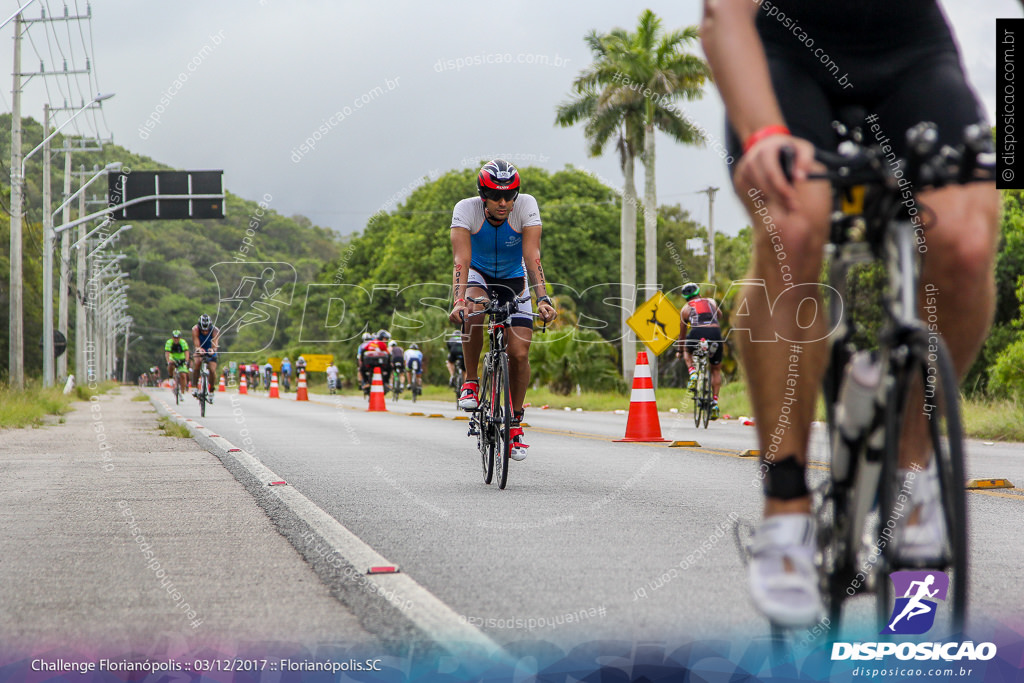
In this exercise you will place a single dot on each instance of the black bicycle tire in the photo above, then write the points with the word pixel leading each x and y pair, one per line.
pixel 705 390
pixel 696 399
pixel 503 443
pixel 949 461
pixel 485 440
pixel 202 395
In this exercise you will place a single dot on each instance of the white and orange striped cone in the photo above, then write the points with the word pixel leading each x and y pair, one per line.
pixel 242 388
pixel 377 392
pixel 273 386
pixel 643 423
pixel 223 386
pixel 301 394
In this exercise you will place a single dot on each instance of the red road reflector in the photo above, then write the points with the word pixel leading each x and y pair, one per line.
pixel 215 435
pixel 388 569
pixel 278 483
pixel 234 450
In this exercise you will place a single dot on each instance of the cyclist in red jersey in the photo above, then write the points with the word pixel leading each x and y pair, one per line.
pixel 701 314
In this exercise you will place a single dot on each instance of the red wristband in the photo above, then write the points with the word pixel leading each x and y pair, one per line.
pixel 459 301
pixel 762 133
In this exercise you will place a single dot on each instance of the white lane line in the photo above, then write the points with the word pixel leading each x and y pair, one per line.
pixel 407 598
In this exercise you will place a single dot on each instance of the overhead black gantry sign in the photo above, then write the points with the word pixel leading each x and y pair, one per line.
pixel 166 195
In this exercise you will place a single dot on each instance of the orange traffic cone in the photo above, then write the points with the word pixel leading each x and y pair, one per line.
pixel 301 394
pixel 377 392
pixel 642 423
pixel 273 387
pixel 242 388
pixel 223 385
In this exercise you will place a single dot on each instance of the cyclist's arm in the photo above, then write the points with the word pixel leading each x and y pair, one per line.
pixel 737 59
pixel 462 251
pixel 535 271
pixel 215 339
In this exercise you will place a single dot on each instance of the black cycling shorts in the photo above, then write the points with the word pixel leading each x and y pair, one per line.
pixel 714 337
pixel 504 291
pixel 917 79
pixel 455 357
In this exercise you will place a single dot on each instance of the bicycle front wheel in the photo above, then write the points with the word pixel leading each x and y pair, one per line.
pixel 501 412
pixel 485 435
pixel 202 396
pixel 929 385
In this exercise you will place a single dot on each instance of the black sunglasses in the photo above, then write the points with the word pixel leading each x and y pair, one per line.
pixel 496 195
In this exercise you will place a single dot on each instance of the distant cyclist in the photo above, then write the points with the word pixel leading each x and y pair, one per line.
pixel 300 366
pixel 374 354
pixel 397 360
pixel 205 340
pixel 702 315
pixel 414 365
pixel 268 375
pixel 176 354
pixel 455 357
pixel 286 372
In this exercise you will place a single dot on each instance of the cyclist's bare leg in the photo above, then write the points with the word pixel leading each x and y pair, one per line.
pixel 212 366
pixel 957 297
pixel 787 252
pixel 716 380
pixel 474 341
pixel 519 365
pixel 197 361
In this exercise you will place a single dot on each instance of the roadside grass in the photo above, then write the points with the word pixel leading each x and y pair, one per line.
pixel 994 420
pixel 84 392
pixel 29 408
pixel 172 428
pixel 140 397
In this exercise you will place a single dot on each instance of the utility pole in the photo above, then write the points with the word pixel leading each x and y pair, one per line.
pixel 81 320
pixel 16 346
pixel 65 264
pixel 16 330
pixel 47 255
pixel 710 192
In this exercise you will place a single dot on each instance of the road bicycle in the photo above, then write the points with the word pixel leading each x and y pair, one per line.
pixel 396 385
pixel 179 370
pixel 870 392
pixel 491 421
pixel 702 397
pixel 203 390
pixel 416 383
pixel 286 381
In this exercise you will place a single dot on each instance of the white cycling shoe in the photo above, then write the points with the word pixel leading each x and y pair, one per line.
pixel 923 541
pixel 783 578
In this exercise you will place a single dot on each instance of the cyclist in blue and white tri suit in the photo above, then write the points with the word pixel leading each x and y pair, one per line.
pixel 414 365
pixel 496 246
pixel 205 340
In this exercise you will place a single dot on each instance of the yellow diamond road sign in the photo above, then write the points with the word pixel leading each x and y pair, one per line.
pixel 656 323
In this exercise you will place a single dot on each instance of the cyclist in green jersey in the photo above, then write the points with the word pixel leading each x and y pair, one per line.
pixel 177 356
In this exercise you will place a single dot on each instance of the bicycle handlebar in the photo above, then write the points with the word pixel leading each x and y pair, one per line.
pixel 855 163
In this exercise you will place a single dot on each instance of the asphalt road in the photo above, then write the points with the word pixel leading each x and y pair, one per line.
pixel 592 539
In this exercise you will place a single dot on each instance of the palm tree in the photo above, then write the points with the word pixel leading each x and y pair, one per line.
pixel 630 90
pixel 612 112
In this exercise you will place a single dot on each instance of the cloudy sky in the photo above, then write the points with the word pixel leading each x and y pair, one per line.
pixel 387 93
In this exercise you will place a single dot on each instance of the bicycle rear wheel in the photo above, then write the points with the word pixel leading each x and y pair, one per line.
pixel 177 392
pixel 485 436
pixel 928 368
pixel 705 393
pixel 696 401
pixel 501 413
